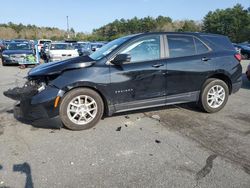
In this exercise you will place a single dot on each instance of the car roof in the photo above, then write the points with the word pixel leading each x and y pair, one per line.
pixel 25 42
pixel 173 33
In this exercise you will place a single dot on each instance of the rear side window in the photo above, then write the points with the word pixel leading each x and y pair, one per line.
pixel 201 48
pixel 181 46
pixel 220 41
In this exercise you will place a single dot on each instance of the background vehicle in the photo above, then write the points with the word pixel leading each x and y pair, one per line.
pixel 61 51
pixel 1 47
pixel 16 52
pixel 20 40
pixel 83 48
pixel 130 73
pixel 41 42
pixel 45 52
pixel 96 46
pixel 244 50
pixel 248 72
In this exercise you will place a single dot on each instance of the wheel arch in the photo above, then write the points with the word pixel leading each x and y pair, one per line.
pixel 223 77
pixel 104 98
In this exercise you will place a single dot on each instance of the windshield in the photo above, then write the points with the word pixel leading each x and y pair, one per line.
pixel 44 41
pixel 19 46
pixel 61 47
pixel 84 45
pixel 108 48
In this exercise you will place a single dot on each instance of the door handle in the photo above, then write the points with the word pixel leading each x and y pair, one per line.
pixel 157 65
pixel 205 59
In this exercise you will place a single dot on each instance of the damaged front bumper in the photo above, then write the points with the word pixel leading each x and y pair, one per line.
pixel 36 107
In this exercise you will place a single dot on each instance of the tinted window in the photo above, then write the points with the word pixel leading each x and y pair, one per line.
pixel 145 49
pixel 219 40
pixel 19 46
pixel 44 41
pixel 180 46
pixel 200 47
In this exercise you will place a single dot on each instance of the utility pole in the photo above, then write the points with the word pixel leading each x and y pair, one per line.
pixel 68 26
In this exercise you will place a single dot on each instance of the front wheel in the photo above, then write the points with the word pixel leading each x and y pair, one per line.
pixel 81 109
pixel 214 95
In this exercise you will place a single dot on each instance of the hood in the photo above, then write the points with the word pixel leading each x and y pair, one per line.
pixel 11 52
pixel 60 66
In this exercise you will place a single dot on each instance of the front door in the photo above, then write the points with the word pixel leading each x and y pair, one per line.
pixel 140 83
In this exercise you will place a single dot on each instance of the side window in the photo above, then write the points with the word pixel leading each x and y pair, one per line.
pixel 180 46
pixel 145 49
pixel 200 47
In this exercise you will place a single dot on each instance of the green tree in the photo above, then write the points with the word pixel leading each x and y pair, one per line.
pixel 233 22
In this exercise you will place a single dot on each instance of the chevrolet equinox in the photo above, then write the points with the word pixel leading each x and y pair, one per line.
pixel 130 73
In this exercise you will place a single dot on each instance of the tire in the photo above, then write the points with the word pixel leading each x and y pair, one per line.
pixel 72 109
pixel 214 103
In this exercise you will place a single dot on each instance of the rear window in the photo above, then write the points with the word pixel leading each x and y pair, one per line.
pixel 201 48
pixel 220 41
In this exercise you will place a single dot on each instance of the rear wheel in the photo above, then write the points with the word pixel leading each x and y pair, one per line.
pixel 214 95
pixel 81 109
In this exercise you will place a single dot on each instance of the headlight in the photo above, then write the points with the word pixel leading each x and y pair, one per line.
pixel 41 87
pixel 4 55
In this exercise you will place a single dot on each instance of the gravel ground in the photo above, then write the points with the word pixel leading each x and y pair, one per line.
pixel 174 146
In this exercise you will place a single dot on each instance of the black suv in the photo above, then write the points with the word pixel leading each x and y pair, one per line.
pixel 133 72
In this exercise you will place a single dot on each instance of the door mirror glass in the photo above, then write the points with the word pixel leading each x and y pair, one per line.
pixel 121 58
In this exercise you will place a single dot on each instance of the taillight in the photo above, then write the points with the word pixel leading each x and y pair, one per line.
pixel 238 56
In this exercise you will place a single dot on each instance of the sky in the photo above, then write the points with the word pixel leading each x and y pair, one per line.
pixel 86 15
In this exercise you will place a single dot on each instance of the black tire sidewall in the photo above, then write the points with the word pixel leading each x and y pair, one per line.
pixel 207 86
pixel 72 94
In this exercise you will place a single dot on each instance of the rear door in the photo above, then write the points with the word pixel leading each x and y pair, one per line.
pixel 188 65
pixel 140 83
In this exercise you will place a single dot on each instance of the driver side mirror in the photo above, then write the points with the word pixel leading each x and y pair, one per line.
pixel 121 58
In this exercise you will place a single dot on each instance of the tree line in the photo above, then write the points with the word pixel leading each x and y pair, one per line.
pixel 233 22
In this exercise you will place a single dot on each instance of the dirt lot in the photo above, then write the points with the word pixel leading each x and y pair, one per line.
pixel 175 146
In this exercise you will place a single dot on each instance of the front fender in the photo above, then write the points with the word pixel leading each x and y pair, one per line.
pixel 97 78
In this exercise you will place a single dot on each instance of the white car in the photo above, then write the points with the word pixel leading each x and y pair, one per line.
pixel 41 42
pixel 61 51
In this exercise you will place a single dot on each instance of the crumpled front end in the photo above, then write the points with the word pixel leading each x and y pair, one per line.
pixel 36 103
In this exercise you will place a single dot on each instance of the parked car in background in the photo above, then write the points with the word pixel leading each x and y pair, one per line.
pixel 61 51
pixel 16 52
pixel 96 46
pixel 20 40
pixel 83 48
pixel 248 72
pixel 130 73
pixel 237 48
pixel 41 42
pixel 45 52
pixel 3 45
pixel 244 50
